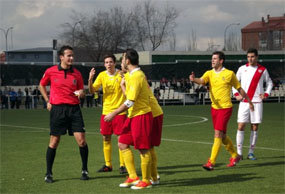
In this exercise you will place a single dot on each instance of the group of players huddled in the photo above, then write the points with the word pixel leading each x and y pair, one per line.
pixel 131 111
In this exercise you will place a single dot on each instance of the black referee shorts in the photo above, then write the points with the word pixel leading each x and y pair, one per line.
pixel 65 117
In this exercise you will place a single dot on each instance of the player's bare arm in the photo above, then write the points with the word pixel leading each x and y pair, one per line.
pixel 123 85
pixel 90 80
pixel 244 95
pixel 109 117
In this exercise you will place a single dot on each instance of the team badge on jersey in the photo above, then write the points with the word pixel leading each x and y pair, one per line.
pixel 74 82
pixel 259 71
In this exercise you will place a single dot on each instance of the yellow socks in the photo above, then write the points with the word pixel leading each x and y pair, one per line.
pixel 129 162
pixel 230 147
pixel 145 166
pixel 153 165
pixel 107 149
pixel 215 149
pixel 121 158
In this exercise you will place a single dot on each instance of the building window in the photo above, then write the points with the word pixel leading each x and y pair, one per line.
pixel 277 39
pixel 24 56
pixel 37 56
pixel 262 43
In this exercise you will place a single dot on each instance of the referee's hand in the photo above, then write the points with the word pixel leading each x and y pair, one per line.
pixel 49 106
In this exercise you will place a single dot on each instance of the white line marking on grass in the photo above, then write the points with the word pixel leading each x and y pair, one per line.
pixel 25 127
pixel 163 139
pixel 46 129
pixel 204 119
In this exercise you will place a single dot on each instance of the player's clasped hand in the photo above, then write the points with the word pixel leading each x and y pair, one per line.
pixel 109 117
pixel 251 106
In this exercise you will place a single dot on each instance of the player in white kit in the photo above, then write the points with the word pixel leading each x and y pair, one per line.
pixel 252 77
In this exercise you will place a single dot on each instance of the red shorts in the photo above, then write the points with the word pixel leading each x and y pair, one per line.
pixel 115 126
pixel 137 131
pixel 220 118
pixel 156 130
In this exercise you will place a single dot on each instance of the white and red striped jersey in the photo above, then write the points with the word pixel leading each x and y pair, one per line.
pixel 252 79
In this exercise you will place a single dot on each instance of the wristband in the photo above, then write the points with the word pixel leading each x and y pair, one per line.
pixel 266 95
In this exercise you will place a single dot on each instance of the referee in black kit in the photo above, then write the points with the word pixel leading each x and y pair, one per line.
pixel 66 87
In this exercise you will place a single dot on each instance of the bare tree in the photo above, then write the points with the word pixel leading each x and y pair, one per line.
pixel 212 46
pixel 144 27
pixel 153 26
pixel 172 41
pixel 194 40
pixel 191 41
pixel 233 41
pixel 103 31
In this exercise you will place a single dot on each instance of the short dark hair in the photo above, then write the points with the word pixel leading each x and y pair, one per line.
pixel 133 56
pixel 221 55
pixel 109 55
pixel 252 50
pixel 63 48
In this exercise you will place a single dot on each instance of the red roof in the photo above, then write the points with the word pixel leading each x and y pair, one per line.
pixel 273 23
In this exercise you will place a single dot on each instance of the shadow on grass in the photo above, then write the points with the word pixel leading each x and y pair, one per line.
pixel 275 157
pixel 261 164
pixel 219 179
pixel 178 166
pixel 92 177
pixel 168 169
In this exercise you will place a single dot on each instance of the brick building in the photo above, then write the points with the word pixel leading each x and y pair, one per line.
pixel 267 34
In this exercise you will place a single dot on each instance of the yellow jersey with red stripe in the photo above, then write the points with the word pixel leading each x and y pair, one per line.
pixel 113 96
pixel 221 84
pixel 137 90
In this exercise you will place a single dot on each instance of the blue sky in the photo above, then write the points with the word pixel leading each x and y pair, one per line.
pixel 36 22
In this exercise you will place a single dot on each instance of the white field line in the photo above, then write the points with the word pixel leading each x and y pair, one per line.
pixel 163 139
pixel 204 119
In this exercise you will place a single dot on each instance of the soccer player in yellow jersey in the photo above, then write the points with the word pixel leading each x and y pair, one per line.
pixel 157 114
pixel 113 97
pixel 138 126
pixel 221 80
pixel 156 126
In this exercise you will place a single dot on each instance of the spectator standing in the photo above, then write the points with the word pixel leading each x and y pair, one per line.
pixel 13 98
pixel 27 99
pixel 5 96
pixel 20 98
pixel 36 97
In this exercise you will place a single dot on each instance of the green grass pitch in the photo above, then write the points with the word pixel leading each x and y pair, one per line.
pixel 186 145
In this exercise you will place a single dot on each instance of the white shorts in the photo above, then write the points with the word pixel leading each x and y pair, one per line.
pixel 245 115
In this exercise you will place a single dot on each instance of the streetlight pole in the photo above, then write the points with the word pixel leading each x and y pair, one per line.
pixel 6 35
pixel 6 32
pixel 225 34
pixel 73 30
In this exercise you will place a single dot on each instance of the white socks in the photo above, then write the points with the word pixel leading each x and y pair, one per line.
pixel 252 143
pixel 239 141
